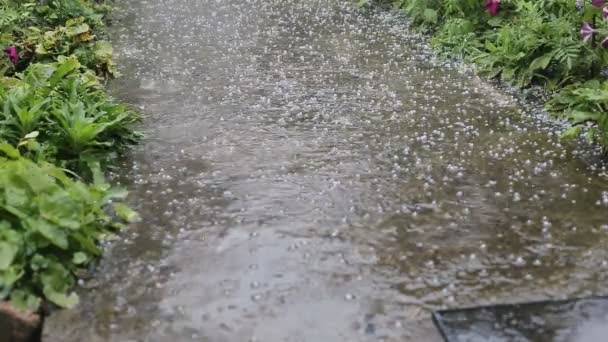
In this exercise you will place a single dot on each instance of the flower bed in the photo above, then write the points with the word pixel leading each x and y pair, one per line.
pixel 58 129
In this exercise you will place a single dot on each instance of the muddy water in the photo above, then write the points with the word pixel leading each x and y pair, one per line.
pixel 312 173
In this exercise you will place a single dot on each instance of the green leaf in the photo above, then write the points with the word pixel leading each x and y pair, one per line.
pixel 87 243
pixel 126 213
pixel 8 278
pixel 67 65
pixel 103 50
pixel 578 116
pixel 98 177
pixel 55 235
pixel 571 133
pixel 115 193
pixel 12 210
pixel 41 50
pixel 61 299
pixel 490 46
pixel 38 262
pixel 430 15
pixel 56 281
pixel 37 180
pixel 508 73
pixel 9 151
pixel 77 29
pixel 495 21
pixel 541 62
pixel 16 196
pixel 8 251
pixel 25 300
pixel 79 258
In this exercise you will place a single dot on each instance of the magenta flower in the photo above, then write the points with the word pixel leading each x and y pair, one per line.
pixel 493 7
pixel 598 3
pixel 13 55
pixel 587 31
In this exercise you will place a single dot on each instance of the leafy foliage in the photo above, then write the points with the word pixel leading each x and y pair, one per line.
pixel 526 42
pixel 581 104
pixel 45 30
pixel 57 128
pixel 50 225
pixel 538 46
pixel 69 108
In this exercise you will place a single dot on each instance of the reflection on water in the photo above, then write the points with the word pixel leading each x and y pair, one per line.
pixel 312 173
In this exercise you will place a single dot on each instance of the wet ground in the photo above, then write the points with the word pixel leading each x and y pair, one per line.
pixel 312 173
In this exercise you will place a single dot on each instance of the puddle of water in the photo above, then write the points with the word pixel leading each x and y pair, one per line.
pixel 311 173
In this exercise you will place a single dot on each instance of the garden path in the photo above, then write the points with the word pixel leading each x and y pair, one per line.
pixel 312 173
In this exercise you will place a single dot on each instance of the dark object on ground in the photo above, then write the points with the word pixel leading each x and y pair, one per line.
pixel 17 326
pixel 576 320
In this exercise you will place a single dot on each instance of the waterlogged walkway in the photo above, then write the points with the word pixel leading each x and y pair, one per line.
pixel 311 174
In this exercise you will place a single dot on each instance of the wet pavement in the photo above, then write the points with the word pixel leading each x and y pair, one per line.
pixel 312 173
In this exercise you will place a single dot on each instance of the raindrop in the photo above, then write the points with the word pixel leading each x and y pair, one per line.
pixel 519 261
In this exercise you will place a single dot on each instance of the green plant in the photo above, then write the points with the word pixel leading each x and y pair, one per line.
pixel 56 12
pixel 457 38
pixel 538 45
pixel 582 104
pixel 50 227
pixel 553 43
pixel 423 13
pixel 57 127
pixel 44 30
pixel 70 110
pixel 75 38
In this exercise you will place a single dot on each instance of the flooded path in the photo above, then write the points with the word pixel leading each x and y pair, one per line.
pixel 310 173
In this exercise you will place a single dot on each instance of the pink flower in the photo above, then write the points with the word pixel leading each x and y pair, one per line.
pixel 587 31
pixel 492 6
pixel 13 55
pixel 605 12
pixel 598 3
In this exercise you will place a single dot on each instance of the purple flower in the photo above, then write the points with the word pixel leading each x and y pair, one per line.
pixel 13 55
pixel 605 42
pixel 493 7
pixel 587 31
pixel 605 12
pixel 598 3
